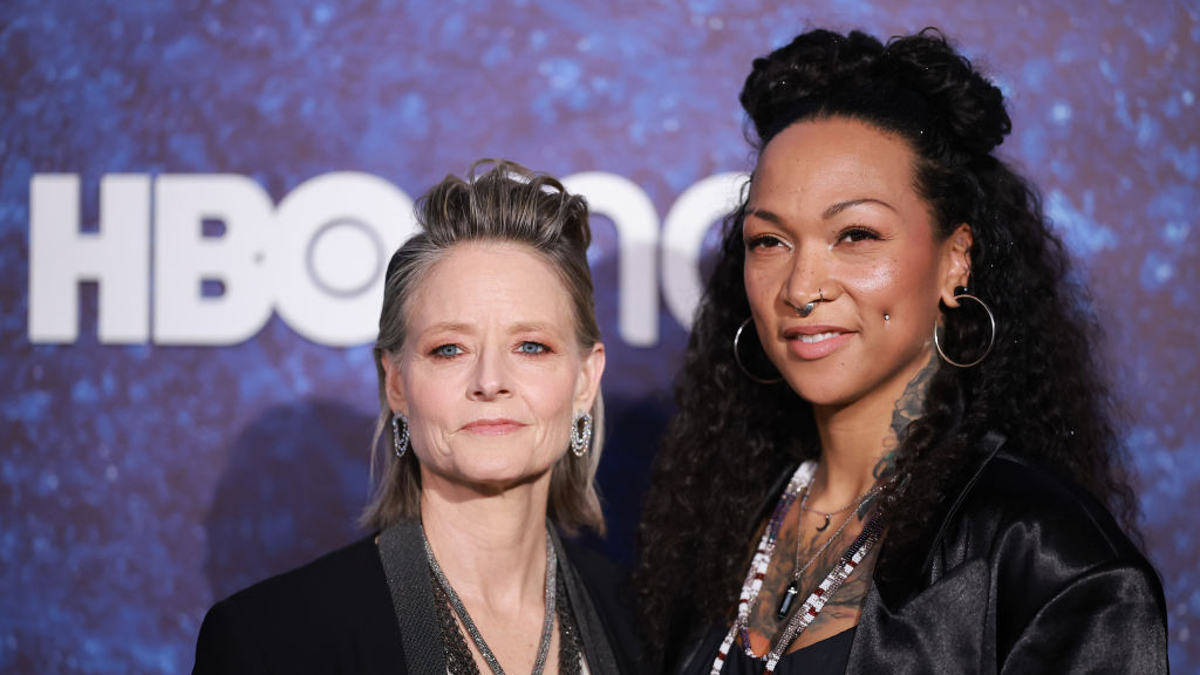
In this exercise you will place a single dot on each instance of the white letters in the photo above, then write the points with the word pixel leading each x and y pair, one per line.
pixel 60 256
pixel 224 257
pixel 330 245
pixel 632 212
pixel 683 237
pixel 184 258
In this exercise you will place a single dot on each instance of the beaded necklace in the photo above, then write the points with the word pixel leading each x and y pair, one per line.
pixel 849 560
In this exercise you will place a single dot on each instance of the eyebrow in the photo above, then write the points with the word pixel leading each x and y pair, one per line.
pixel 830 212
pixel 842 206
pixel 448 326
pixel 459 327
pixel 532 328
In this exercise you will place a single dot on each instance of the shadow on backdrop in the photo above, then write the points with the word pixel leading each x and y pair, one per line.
pixel 634 427
pixel 295 483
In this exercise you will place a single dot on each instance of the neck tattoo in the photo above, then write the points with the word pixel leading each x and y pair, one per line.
pixel 801 618
pixel 793 588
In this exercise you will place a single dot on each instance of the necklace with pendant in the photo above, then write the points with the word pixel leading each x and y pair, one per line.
pixel 846 564
pixel 793 588
pixel 858 501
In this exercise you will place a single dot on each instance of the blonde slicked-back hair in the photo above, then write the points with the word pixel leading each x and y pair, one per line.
pixel 498 201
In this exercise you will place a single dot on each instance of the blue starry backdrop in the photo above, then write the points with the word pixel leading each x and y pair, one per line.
pixel 143 479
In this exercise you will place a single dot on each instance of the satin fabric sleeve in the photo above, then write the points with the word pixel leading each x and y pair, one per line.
pixel 1029 575
pixel 1110 619
pixel 1073 595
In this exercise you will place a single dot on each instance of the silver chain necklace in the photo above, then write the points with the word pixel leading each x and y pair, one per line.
pixel 858 501
pixel 473 631
pixel 793 588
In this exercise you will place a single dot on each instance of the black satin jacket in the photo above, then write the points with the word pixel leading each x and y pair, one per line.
pixel 1025 574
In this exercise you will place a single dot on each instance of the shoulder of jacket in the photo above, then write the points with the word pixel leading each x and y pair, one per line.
pixel 332 575
pixel 1014 502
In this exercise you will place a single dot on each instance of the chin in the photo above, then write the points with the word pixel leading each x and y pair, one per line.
pixel 823 394
pixel 496 477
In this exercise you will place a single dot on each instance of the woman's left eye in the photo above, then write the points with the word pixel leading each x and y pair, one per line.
pixel 857 234
pixel 529 347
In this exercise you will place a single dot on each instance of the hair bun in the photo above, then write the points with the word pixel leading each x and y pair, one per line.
pixel 969 107
pixel 920 77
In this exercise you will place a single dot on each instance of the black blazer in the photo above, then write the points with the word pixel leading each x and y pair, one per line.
pixel 1025 574
pixel 335 615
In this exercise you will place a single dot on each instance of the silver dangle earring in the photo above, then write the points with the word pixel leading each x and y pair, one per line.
pixel 400 436
pixel 960 294
pixel 737 357
pixel 581 433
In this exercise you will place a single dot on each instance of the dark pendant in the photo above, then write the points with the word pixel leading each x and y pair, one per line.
pixel 785 605
pixel 826 525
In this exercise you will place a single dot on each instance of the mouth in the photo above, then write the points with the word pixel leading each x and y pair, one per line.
pixel 493 427
pixel 819 337
pixel 809 343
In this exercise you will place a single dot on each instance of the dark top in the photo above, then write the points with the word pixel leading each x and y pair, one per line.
pixel 335 615
pixel 827 657
pixel 1024 573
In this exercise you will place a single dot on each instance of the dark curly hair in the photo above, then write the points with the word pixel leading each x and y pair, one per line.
pixel 1041 386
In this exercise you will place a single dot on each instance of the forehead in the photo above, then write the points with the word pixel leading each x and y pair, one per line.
pixel 817 162
pixel 490 282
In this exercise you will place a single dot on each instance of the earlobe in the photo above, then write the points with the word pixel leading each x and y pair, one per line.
pixel 958 271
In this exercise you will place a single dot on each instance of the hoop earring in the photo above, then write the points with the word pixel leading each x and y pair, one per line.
pixel 581 439
pixel 399 438
pixel 963 295
pixel 738 357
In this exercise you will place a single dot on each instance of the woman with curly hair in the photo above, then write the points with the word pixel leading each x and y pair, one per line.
pixel 894 450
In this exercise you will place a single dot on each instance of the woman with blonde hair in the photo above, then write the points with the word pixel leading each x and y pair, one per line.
pixel 489 362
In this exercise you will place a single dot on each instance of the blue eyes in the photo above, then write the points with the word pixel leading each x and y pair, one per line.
pixel 532 348
pixel 447 351
pixel 527 348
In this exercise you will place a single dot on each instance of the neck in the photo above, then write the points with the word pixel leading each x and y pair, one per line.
pixel 859 441
pixel 490 545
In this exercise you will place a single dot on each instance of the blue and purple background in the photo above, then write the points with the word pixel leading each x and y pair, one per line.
pixel 141 482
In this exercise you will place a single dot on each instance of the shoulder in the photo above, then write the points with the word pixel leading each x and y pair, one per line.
pixel 327 585
pixel 1016 503
pixel 333 609
pixel 1042 539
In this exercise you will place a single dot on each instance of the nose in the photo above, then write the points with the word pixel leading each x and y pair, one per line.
pixel 808 280
pixel 489 379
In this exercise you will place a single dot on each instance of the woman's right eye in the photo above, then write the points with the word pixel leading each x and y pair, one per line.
pixel 447 351
pixel 763 241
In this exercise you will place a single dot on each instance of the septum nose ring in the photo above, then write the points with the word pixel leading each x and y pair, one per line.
pixel 811 305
